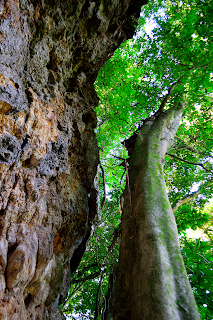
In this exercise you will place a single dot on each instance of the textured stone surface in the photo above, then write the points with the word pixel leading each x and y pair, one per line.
pixel 50 53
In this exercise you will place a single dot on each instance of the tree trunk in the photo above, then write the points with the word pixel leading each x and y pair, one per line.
pixel 152 282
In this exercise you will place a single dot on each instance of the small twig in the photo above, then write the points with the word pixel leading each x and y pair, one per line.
pixel 104 187
pixel 189 162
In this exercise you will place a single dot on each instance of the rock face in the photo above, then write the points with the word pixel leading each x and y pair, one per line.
pixel 50 53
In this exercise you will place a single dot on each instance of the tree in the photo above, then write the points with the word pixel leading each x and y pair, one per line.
pixel 175 62
pixel 152 282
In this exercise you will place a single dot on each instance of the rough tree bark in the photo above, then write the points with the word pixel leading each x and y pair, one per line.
pixel 50 54
pixel 152 283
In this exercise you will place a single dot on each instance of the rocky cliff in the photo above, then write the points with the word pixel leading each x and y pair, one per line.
pixel 50 54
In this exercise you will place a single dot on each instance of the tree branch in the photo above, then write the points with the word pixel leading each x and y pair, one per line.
pixel 195 67
pixel 189 162
pixel 104 187
pixel 91 276
pixel 166 98
pixel 119 158
pixel 82 281
pixel 88 267
pixel 97 302
pixel 116 234
pixel 186 146
pixel 105 119
pixel 185 200
pixel 207 261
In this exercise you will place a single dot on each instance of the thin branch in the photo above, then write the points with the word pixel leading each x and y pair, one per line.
pixel 102 122
pixel 189 162
pixel 73 292
pixel 122 164
pixel 194 67
pixel 95 264
pixel 207 261
pixel 105 105
pixel 86 268
pixel 166 98
pixel 119 158
pixel 119 129
pixel 122 174
pixel 81 283
pixel 91 276
pixel 97 302
pixel 129 190
pixel 105 119
pixel 104 187
pixel 188 147
pixel 185 200
pixel 116 234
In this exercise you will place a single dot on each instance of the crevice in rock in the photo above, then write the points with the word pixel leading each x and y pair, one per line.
pixel 28 300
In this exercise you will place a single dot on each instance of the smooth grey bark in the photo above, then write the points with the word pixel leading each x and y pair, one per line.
pixel 152 283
